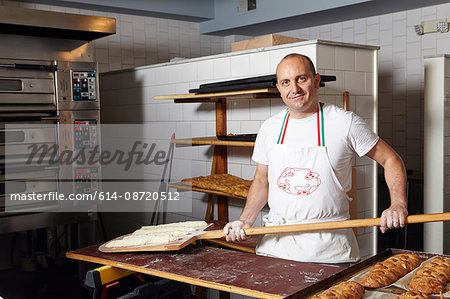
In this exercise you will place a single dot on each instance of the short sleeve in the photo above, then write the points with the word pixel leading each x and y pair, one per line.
pixel 361 136
pixel 260 150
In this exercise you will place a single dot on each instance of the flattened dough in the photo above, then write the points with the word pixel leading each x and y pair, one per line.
pixel 157 234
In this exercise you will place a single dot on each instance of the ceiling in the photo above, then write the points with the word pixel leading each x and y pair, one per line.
pixel 222 17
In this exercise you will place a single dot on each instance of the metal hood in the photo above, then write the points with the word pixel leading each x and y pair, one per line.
pixel 32 22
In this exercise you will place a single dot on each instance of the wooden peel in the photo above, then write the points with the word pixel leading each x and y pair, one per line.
pixel 216 234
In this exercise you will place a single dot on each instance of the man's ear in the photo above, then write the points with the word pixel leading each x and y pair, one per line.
pixel 316 81
pixel 278 87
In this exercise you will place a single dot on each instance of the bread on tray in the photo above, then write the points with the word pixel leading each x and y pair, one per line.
pixel 346 289
pixel 412 295
pixel 390 270
pixel 433 277
pixel 224 182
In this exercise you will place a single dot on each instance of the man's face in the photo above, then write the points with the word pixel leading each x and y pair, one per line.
pixel 298 86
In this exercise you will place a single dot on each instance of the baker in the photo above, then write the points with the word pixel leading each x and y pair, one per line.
pixel 304 155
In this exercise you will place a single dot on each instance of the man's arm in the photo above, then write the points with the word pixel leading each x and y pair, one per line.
pixel 256 199
pixel 395 176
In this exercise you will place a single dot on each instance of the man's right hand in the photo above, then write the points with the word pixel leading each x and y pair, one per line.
pixel 234 231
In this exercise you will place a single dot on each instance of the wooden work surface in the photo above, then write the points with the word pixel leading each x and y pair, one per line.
pixel 216 268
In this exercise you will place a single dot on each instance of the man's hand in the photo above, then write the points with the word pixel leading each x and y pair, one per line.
pixel 234 231
pixel 394 216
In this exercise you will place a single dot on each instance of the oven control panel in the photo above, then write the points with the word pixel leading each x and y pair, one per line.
pixel 84 86
pixel 85 134
pixel 86 180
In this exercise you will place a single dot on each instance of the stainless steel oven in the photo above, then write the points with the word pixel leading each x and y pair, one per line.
pixel 46 103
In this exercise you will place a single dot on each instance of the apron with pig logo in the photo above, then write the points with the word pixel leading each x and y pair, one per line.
pixel 303 188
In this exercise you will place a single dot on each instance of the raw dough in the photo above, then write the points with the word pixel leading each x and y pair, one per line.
pixel 157 234
pixel 186 224
pixel 142 240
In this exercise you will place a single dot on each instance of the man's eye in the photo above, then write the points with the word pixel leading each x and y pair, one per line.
pixel 301 79
pixel 285 83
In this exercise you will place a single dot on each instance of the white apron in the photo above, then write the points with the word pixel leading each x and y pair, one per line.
pixel 303 188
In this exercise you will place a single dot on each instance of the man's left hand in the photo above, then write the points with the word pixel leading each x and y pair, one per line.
pixel 394 216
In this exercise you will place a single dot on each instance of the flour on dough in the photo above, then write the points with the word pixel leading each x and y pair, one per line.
pixel 142 240
pixel 157 234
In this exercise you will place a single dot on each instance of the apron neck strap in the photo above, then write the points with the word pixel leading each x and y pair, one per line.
pixel 320 126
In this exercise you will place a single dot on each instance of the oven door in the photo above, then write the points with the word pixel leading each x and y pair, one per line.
pixel 19 172
pixel 20 189
pixel 27 86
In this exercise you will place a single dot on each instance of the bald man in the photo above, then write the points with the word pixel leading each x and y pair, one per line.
pixel 304 155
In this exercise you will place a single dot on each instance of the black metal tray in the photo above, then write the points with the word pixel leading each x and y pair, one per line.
pixel 237 137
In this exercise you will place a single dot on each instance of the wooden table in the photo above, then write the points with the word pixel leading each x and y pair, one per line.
pixel 220 269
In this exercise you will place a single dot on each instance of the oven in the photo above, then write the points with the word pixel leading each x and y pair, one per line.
pixel 53 105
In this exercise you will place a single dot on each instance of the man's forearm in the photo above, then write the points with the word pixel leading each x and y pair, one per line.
pixel 395 176
pixel 256 200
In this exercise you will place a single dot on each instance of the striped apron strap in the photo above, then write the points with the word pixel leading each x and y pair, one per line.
pixel 320 127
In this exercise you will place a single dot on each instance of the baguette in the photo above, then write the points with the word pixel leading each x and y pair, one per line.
pixel 433 278
pixel 346 289
pixel 390 270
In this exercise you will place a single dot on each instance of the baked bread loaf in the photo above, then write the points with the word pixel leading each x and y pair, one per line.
pixel 390 270
pixel 224 182
pixel 346 289
pixel 433 278
pixel 412 294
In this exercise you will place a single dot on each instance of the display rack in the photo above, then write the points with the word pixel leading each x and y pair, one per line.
pixel 219 163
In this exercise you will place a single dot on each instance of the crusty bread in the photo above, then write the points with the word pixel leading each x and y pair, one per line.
pixel 413 295
pixel 346 289
pixel 432 278
pixel 224 182
pixel 390 270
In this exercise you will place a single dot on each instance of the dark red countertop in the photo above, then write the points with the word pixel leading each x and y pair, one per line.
pixel 221 269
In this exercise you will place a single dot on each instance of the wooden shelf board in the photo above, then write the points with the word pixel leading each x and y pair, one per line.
pixel 211 141
pixel 181 186
pixel 261 92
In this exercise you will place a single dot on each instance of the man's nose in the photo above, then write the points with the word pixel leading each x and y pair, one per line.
pixel 295 88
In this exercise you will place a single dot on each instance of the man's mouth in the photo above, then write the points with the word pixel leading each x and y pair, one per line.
pixel 297 96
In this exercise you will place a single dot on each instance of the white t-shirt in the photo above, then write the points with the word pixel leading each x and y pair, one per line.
pixel 345 134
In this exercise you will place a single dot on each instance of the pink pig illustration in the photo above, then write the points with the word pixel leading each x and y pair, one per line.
pixel 298 181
